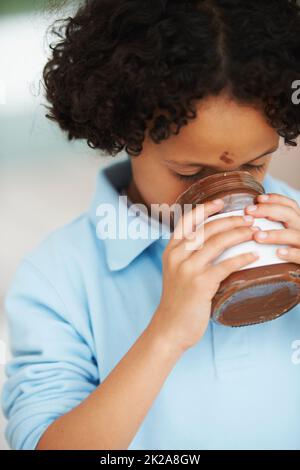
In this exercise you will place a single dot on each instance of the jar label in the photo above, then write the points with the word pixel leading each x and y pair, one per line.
pixel 267 252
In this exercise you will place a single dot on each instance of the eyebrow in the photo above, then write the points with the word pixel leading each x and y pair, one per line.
pixel 188 163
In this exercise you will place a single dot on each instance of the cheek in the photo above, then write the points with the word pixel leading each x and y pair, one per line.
pixel 169 188
pixel 260 175
pixel 160 186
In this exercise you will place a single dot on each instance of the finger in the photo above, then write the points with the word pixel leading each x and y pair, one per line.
pixel 189 221
pixel 275 212
pixel 285 236
pixel 227 223
pixel 291 255
pixel 274 198
pixel 217 244
pixel 206 231
pixel 220 271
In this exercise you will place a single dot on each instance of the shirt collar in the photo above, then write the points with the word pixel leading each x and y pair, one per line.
pixel 121 252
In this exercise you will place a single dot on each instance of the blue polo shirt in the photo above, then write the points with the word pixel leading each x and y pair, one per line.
pixel 80 300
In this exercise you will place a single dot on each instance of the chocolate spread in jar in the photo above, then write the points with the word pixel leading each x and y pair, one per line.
pixel 264 289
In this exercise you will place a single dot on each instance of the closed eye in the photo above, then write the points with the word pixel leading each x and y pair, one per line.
pixel 246 167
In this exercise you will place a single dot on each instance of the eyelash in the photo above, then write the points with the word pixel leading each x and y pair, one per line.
pixel 247 167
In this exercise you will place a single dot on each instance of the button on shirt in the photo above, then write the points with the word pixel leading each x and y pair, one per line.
pixel 80 300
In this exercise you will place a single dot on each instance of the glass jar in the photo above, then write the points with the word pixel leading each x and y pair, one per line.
pixel 262 290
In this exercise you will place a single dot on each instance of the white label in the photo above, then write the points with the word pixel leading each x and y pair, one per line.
pixel 267 252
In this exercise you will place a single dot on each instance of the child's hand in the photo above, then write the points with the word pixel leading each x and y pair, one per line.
pixel 280 209
pixel 190 279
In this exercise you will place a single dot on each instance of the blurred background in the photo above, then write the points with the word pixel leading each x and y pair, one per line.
pixel 46 181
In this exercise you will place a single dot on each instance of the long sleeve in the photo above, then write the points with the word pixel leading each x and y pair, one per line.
pixel 52 368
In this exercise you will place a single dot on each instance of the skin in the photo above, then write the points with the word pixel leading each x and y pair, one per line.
pixel 225 136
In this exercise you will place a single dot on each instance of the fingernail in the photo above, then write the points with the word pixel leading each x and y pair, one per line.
pixel 251 208
pixel 248 218
pixel 256 254
pixel 263 197
pixel 255 229
pixel 262 235
pixel 283 252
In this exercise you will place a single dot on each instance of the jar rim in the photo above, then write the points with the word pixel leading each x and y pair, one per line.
pixel 233 181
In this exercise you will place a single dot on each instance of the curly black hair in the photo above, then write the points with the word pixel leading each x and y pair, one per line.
pixel 121 68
